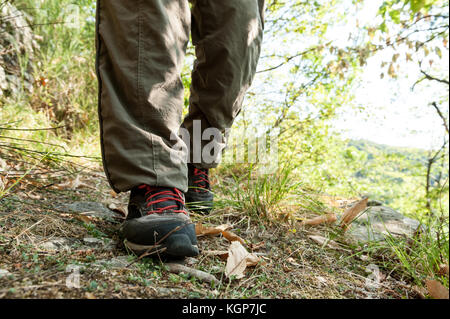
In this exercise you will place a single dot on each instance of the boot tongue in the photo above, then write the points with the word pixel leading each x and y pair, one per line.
pixel 162 198
pixel 201 179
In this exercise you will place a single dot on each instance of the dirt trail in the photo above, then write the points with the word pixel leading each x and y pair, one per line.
pixel 61 241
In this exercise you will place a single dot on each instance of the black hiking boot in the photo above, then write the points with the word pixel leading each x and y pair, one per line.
pixel 158 221
pixel 199 197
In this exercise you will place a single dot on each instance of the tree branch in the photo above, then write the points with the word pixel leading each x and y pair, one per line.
pixel 444 120
pixel 432 78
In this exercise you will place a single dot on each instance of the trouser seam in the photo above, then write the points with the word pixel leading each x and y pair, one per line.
pixel 99 98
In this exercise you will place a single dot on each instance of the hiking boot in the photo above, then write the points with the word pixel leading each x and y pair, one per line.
pixel 199 196
pixel 159 221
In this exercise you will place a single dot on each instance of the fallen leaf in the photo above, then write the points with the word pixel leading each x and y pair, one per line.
pixel 436 290
pixel 239 259
pixel 201 230
pixel 73 184
pixel 121 210
pixel 113 194
pixel 351 213
pixel 328 219
pixel 257 246
pixel 232 237
pixel 443 270
pixel 84 218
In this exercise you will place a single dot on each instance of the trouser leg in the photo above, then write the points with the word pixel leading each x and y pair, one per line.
pixel 227 35
pixel 140 50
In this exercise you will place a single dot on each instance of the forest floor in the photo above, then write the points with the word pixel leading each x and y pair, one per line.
pixel 59 239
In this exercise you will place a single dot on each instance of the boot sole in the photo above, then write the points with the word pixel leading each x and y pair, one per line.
pixel 177 245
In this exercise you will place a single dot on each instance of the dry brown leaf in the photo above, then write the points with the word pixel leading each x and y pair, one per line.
pixel 113 194
pixel 232 237
pixel 201 230
pixel 257 246
pixel 84 218
pixel 328 219
pixel 252 260
pixel 436 290
pixel 443 270
pixel 239 259
pixel 351 213
pixel 121 210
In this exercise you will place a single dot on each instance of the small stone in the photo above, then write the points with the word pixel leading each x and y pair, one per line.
pixel 116 262
pixel 92 240
pixel 379 222
pixel 167 292
pixel 58 243
pixel 92 209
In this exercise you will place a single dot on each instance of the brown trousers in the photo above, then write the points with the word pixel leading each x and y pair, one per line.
pixel 141 45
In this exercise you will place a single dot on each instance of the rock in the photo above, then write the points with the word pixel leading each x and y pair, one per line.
pixel 167 292
pixel 378 222
pixel 59 244
pixel 4 273
pixel 97 243
pixel 92 240
pixel 116 262
pixel 93 209
pixel 73 244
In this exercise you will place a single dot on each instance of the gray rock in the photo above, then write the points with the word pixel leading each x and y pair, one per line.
pixel 116 262
pixel 59 244
pixel 93 241
pixel 167 292
pixel 93 209
pixel 379 222
pixel 97 243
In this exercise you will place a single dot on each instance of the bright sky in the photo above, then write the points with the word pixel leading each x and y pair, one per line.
pixel 395 114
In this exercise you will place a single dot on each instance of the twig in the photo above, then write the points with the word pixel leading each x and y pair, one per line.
pixel 32 129
pixel 201 275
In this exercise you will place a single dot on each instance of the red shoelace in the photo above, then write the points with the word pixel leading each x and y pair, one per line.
pixel 202 180
pixel 170 194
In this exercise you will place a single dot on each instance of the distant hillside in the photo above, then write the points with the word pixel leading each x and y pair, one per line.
pixel 371 148
pixel 393 175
